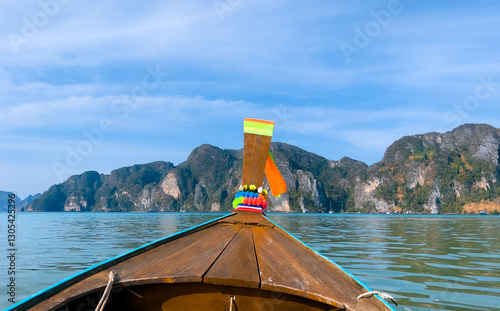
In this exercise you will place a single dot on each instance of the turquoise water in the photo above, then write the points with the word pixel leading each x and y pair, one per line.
pixel 425 262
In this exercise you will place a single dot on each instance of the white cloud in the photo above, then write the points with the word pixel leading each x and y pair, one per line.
pixel 16 143
pixel 277 60
pixel 370 139
pixel 265 42
pixel 62 113
pixel 256 42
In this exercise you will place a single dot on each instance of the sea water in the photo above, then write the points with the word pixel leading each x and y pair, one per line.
pixel 435 262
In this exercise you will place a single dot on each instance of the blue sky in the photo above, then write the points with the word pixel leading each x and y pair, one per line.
pixel 101 85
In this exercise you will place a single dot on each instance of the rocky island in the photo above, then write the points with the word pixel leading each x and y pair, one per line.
pixel 452 172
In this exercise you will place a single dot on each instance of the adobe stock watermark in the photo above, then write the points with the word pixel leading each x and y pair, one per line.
pixel 483 91
pixel 373 28
pixel 93 138
pixel 282 117
pixel 225 8
pixel 31 26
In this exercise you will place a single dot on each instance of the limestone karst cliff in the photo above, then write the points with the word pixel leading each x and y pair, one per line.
pixel 434 172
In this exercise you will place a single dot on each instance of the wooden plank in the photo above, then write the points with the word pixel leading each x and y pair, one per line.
pixel 190 258
pixel 48 304
pixel 334 282
pixel 282 272
pixel 256 150
pixel 237 265
pixel 247 218
pixel 129 270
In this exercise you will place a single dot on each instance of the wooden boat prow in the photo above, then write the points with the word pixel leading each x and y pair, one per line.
pixel 243 255
pixel 241 261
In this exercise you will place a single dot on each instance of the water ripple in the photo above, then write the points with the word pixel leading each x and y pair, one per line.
pixel 426 262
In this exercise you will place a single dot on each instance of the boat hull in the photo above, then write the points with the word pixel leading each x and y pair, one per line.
pixel 242 255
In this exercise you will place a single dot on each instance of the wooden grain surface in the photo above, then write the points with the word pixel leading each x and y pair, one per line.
pixel 245 250
pixel 183 260
pixel 281 271
pixel 335 283
pixel 237 265
pixel 187 259
pixel 254 158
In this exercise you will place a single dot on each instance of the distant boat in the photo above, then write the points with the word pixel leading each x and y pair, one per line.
pixel 241 261
pixel 331 211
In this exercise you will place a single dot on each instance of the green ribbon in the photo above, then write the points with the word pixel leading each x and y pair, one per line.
pixel 258 128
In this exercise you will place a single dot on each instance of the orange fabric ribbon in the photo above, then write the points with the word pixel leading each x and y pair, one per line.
pixel 276 181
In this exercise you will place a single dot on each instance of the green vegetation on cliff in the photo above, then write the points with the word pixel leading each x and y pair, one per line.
pixel 432 172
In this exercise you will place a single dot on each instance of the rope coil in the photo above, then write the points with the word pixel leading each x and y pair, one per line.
pixel 383 295
pixel 107 291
